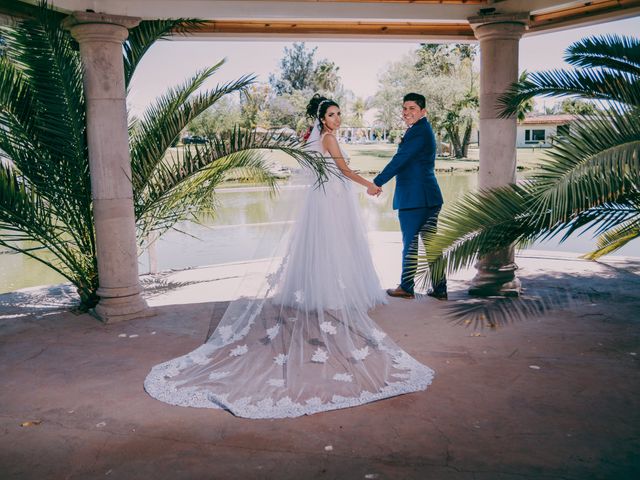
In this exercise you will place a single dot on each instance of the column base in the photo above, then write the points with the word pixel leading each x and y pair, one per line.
pixel 119 309
pixel 495 280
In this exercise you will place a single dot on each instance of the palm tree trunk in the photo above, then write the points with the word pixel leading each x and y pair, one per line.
pixel 454 137
pixel 466 139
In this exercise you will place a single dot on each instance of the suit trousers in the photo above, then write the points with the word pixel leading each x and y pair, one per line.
pixel 414 224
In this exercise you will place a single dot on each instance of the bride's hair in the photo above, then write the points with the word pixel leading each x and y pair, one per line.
pixel 318 105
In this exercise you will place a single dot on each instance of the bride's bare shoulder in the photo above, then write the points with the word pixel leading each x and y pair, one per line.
pixel 329 137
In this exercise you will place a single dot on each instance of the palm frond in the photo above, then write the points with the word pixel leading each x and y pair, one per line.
pixel 476 225
pixel 45 55
pixel 595 164
pixel 240 139
pixel 142 37
pixel 491 220
pixel 17 101
pixel 615 52
pixel 163 121
pixel 27 226
pixel 600 218
pixel 602 85
pixel 45 119
pixel 182 186
pixel 616 238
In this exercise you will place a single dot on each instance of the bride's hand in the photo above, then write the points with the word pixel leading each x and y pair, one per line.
pixel 374 190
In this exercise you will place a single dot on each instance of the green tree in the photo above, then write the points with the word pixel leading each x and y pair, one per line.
pixel 589 181
pixel 297 68
pixel 435 59
pixel 46 209
pixel 254 102
pixel 223 116
pixel 395 80
pixel 288 110
pixel 575 106
pixel 458 123
pixel 325 77
pixel 452 91
pixel 444 75
pixel 359 108
pixel 298 78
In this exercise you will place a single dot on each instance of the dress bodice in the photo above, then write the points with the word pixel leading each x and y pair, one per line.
pixel 326 154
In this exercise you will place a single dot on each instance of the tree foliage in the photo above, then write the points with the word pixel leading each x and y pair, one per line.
pixel 283 101
pixel 444 75
pixel 223 116
pixel 575 106
pixel 297 68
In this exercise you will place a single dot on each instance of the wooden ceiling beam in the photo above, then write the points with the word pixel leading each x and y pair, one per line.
pixel 584 10
pixel 346 29
pixel 428 2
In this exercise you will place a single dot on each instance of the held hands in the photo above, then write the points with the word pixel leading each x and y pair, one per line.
pixel 374 190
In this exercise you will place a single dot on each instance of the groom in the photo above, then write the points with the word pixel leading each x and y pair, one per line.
pixel 417 197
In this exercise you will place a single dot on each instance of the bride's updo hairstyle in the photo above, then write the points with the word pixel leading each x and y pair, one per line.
pixel 318 106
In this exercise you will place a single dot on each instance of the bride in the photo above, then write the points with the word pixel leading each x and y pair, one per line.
pixel 305 343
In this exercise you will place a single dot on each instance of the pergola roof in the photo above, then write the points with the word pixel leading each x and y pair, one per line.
pixel 559 119
pixel 374 19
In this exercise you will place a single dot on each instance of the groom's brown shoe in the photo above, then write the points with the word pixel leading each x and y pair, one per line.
pixel 399 293
pixel 438 294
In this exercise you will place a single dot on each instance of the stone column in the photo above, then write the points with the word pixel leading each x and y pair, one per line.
pixel 100 37
pixel 499 36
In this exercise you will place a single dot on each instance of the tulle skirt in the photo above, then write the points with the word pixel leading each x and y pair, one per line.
pixel 306 343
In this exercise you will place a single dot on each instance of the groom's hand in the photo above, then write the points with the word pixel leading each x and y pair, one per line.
pixel 374 190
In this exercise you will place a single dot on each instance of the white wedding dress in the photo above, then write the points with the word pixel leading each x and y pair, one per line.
pixel 304 343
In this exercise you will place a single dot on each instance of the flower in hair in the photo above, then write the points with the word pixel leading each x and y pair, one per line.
pixel 307 134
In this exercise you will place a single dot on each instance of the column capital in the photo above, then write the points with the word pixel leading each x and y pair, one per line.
pixel 501 26
pixel 101 27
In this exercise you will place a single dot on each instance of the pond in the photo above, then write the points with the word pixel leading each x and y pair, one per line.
pixel 247 224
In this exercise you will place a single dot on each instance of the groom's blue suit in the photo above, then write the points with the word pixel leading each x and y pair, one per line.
pixel 417 196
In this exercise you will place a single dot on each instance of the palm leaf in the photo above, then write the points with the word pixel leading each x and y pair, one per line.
pixel 615 52
pixel 495 219
pixel 163 121
pixel 601 218
pixel 17 101
pixel 29 227
pixel 593 163
pixel 477 224
pixel 183 189
pixel 143 36
pixel 602 85
pixel 616 238
pixel 193 173
pixel 45 54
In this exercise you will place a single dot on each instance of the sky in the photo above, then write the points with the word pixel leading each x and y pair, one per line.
pixel 170 63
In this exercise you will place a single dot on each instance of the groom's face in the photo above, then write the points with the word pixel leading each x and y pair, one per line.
pixel 411 112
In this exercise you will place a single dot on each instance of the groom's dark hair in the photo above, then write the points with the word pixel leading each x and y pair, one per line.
pixel 415 97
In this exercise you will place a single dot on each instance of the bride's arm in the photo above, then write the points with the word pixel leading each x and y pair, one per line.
pixel 330 144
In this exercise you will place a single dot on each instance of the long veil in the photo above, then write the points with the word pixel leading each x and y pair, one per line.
pixel 299 339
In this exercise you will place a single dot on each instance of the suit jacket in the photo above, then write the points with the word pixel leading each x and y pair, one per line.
pixel 413 166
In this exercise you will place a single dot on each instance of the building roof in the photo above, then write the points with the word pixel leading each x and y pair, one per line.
pixel 372 19
pixel 559 119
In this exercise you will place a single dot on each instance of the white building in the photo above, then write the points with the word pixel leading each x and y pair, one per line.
pixel 540 130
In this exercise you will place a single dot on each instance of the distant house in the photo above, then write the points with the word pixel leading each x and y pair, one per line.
pixel 540 130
